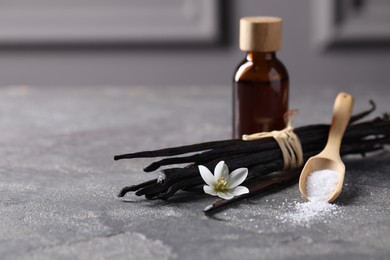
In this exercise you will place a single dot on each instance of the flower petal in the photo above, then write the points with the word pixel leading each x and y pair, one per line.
pixel 221 170
pixel 207 176
pixel 237 177
pixel 225 195
pixel 237 191
pixel 209 190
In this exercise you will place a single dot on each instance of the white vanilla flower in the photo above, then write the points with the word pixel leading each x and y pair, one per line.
pixel 222 183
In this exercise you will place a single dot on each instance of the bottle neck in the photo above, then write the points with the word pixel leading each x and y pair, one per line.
pixel 260 56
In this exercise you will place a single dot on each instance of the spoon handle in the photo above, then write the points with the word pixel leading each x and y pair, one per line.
pixel 342 111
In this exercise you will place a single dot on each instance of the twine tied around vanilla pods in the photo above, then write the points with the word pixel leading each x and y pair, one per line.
pixel 288 141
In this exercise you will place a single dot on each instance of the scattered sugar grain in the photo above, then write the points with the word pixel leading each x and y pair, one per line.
pixel 320 184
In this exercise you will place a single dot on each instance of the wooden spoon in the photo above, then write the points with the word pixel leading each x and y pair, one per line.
pixel 329 158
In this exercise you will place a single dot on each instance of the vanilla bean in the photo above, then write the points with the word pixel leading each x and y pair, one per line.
pixel 364 146
pixel 364 129
pixel 270 181
pixel 171 174
pixel 178 186
pixel 127 189
pixel 363 114
pixel 177 150
pixel 240 147
pixel 152 188
pixel 194 189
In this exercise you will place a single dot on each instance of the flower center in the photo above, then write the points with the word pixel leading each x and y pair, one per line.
pixel 221 185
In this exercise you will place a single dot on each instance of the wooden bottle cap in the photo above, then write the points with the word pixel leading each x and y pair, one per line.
pixel 260 33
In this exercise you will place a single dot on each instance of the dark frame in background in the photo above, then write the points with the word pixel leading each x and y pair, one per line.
pixel 340 24
pixel 168 24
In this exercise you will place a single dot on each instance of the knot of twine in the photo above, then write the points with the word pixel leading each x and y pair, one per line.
pixel 288 142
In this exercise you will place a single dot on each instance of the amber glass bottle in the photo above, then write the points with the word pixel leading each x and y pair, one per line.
pixel 261 83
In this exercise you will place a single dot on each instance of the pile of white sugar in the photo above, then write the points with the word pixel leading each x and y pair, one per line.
pixel 320 185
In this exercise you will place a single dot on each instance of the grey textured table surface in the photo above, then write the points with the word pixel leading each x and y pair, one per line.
pixel 58 181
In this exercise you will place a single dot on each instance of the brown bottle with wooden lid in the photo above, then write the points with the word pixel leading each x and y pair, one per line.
pixel 261 83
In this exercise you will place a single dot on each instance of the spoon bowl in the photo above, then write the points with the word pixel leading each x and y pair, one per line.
pixel 329 158
pixel 318 164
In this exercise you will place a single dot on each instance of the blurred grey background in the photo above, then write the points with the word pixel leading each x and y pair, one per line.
pixel 66 43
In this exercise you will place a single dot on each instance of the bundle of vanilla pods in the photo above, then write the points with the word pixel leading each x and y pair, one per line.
pixel 262 157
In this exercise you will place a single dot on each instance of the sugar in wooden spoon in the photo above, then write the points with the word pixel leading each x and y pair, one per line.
pixel 329 161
